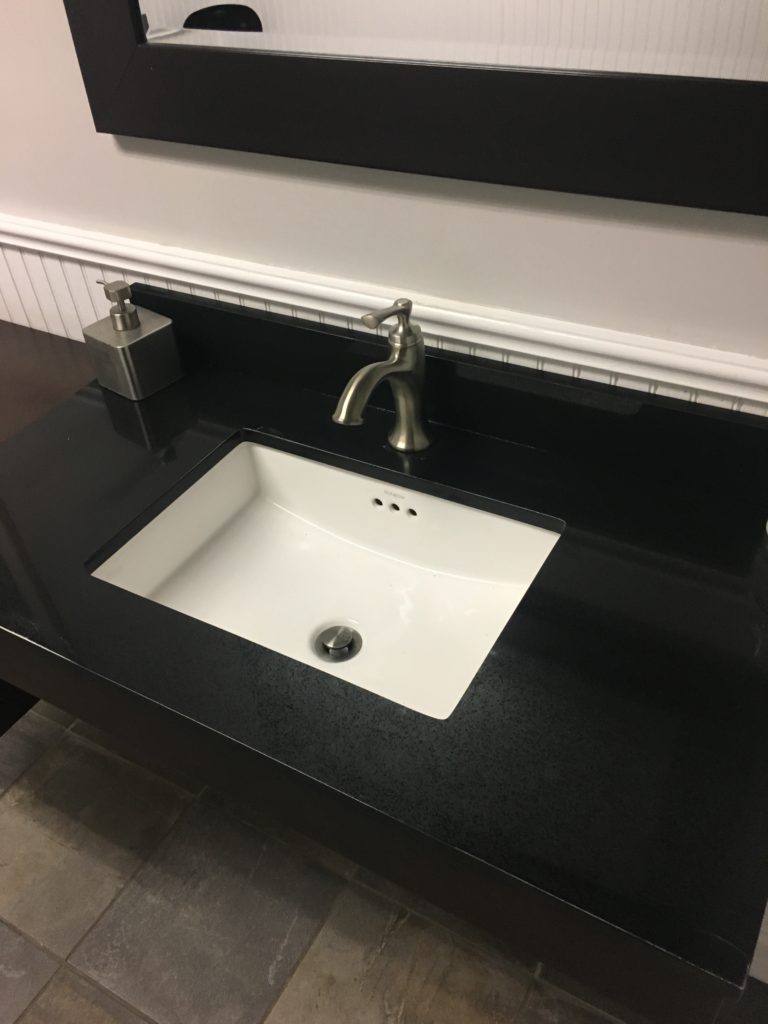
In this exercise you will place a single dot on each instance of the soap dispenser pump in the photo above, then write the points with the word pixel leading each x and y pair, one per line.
pixel 133 350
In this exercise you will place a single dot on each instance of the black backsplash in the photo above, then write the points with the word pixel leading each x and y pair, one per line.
pixel 649 436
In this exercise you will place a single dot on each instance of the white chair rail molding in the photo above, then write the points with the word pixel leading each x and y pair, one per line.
pixel 49 277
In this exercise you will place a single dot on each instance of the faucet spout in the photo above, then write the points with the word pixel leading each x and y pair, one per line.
pixel 354 398
pixel 404 370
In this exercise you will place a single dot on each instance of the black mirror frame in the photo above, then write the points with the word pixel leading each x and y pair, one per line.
pixel 685 141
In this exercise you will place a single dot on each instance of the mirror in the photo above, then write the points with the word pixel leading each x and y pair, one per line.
pixel 706 38
pixel 634 99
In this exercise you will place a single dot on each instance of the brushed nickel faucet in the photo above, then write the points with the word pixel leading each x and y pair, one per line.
pixel 404 369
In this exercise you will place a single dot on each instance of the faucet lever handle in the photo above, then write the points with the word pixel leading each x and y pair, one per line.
pixel 401 308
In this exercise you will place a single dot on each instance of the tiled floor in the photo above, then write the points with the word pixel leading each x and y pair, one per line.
pixel 130 895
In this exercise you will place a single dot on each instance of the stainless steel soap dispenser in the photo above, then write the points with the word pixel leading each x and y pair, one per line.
pixel 133 349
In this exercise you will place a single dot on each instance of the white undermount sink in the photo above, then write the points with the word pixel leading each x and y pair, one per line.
pixel 276 548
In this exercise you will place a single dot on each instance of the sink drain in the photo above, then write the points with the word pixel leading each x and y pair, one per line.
pixel 337 643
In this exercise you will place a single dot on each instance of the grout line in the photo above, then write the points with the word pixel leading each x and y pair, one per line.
pixel 518 1018
pixel 310 944
pixel 31 939
pixel 347 885
pixel 573 1000
pixel 130 878
pixel 108 991
pixel 95 745
pixel 47 750
pixel 39 716
pixel 190 802
pixel 497 954
pixel 37 994
pixel 65 961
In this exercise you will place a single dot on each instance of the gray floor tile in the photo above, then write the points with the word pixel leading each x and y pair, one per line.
pixel 548 1005
pixel 72 830
pixel 375 963
pixel 70 999
pixel 306 847
pixel 579 992
pixel 488 943
pixel 53 713
pixel 210 928
pixel 23 743
pixel 130 752
pixel 303 845
pixel 24 969
pixel 752 1008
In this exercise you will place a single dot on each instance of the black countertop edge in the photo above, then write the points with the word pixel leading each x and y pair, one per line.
pixel 613 962
pixel 609 753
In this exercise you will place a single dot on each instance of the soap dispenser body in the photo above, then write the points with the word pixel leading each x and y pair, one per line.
pixel 133 350
pixel 135 363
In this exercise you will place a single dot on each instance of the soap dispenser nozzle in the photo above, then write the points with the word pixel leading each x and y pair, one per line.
pixel 123 314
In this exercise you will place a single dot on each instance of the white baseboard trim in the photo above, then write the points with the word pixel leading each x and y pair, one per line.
pixel 48 275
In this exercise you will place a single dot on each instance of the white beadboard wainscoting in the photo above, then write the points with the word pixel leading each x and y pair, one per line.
pixel 49 280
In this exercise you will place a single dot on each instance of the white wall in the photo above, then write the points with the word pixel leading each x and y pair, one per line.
pixel 688 276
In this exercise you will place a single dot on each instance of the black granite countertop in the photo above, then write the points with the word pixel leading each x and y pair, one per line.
pixel 613 748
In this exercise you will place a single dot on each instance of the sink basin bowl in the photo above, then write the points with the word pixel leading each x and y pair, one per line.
pixel 277 548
